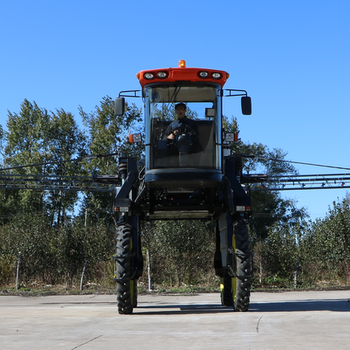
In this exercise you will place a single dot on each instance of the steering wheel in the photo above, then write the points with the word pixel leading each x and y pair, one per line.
pixel 183 139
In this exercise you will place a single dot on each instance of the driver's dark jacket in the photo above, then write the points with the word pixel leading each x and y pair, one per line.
pixel 192 130
pixel 180 124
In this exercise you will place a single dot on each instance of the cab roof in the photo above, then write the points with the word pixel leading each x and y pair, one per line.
pixel 182 73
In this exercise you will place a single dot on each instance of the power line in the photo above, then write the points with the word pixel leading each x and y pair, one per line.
pixel 80 159
pixel 292 162
pixel 93 156
pixel 62 183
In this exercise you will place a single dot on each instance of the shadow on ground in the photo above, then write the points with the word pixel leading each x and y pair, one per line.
pixel 335 305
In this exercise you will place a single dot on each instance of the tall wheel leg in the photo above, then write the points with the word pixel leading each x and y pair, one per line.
pixel 223 232
pixel 226 289
pixel 235 270
pixel 126 295
pixel 242 283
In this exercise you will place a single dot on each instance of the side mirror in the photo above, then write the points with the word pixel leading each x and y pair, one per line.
pixel 119 106
pixel 246 104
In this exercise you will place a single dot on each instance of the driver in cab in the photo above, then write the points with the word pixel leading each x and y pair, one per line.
pixel 180 124
pixel 182 137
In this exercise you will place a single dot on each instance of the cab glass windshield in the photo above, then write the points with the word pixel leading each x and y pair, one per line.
pixel 183 126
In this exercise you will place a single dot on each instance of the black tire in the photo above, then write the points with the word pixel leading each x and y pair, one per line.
pixel 243 267
pixel 126 297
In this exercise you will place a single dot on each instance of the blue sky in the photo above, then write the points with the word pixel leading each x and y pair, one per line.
pixel 293 57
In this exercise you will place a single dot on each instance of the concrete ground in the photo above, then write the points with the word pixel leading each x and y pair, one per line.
pixel 290 320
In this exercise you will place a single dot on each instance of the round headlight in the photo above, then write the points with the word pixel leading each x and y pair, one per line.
pixel 148 76
pixel 203 74
pixel 162 75
pixel 216 75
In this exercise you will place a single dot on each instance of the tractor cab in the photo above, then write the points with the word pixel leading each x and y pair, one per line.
pixel 184 146
pixel 187 147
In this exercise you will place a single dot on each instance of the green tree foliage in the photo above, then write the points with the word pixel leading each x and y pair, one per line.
pixel 53 254
pixel 269 208
pixel 26 143
pixel 108 134
pixel 321 248
pixel 47 142
pixel 279 252
pixel 55 243
pixel 326 243
pixel 50 141
pixel 26 138
pixel 1 144
pixel 66 142
pixel 181 251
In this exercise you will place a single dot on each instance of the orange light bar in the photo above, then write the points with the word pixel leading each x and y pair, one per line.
pixel 182 73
